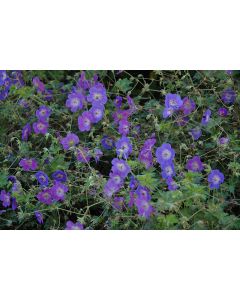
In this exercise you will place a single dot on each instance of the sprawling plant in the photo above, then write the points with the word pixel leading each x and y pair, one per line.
pixel 119 150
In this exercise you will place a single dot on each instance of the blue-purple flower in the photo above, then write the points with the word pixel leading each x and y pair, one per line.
pixel 42 178
pixel 97 94
pixel 39 217
pixel 165 153
pixel 188 106
pixel 40 127
pixel 85 121
pixel 59 190
pixel 228 96
pixel 206 117
pixel 43 113
pixel 97 112
pixel 195 133
pixel 194 164
pixel 74 226
pixel 173 101
pixel 107 142
pixel 69 141
pixel 75 101
pixel 26 131
pixel 123 147
pixel 215 179
pixel 168 169
pixel 59 175
pixel 5 197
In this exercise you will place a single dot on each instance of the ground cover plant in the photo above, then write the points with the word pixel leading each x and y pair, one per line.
pixel 119 150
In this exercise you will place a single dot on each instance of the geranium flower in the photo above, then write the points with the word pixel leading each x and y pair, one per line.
pixel 28 164
pixel 69 141
pixel 97 94
pixel 59 190
pixel 75 101
pixel 124 147
pixel 43 113
pixel 206 117
pixel 85 121
pixel 5 198
pixel 73 226
pixel 194 164
pixel 215 179
pixel 173 101
pixel 40 127
pixel 42 178
pixel 26 131
pixel 165 153
pixel 228 96
pixel 59 175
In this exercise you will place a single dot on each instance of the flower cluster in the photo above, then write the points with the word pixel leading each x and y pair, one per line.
pixel 8 79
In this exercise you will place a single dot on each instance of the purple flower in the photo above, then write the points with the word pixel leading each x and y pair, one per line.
pixel 215 178
pixel 83 83
pixel 131 104
pixel 83 155
pixel 23 103
pixel 118 102
pixel 123 147
pixel 110 188
pixel 48 95
pixel 46 196
pixel 188 106
pixel 73 226
pixel 173 101
pixel 223 141
pixel 168 112
pixel 229 72
pixel 85 121
pixel 168 170
pixel 28 164
pixel 39 85
pixel 223 112
pixel 145 155
pixel 14 203
pixel 228 96
pixel 143 193
pixel 75 101
pixel 59 190
pixel 69 141
pixel 98 154
pixel 172 185
pixel 39 217
pixel 165 153
pixel 118 203
pixel 59 175
pixel 195 133
pixel 42 178
pixel 123 127
pixel 12 178
pixel 97 94
pixel 206 117
pixel 3 77
pixel 145 209
pixel 117 178
pixel 26 131
pixel 133 183
pixel 107 143
pixel 97 112
pixel 120 166
pixel 119 115
pixel 194 164
pixel 5 198
pixel 43 113
pixel 40 127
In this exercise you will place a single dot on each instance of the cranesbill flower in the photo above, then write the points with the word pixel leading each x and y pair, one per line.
pixel 131 104
pixel 215 179
pixel 75 101
pixel 118 203
pixel 172 185
pixel 168 112
pixel 133 183
pixel 223 112
pixel 83 83
pixel 107 143
pixel 48 95
pixel 123 147
pixel 145 209
pixel 123 127
pixel 194 164
pixel 14 203
pixel 97 94
pixel 120 166
pixel 39 85
pixel 181 120
pixel 83 155
pixel 5 198
pixel 195 133
pixel 46 196
pixel 74 226
pixel 69 141
pixel 206 117
pixel 118 101
pixel 223 141
pixel 173 101
pixel 40 127
pixel 26 131
pixel 42 178
pixel 165 153
pixel 97 112
pixel 188 106
pixel 39 217
pixel 145 155
pixel 3 77
pixel 168 170
pixel 110 188
pixel 117 178
pixel 228 96
pixel 28 164
pixel 43 113
pixel 85 121
pixel 143 193
pixel 97 154
pixel 59 175
pixel 59 190
pixel 119 115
